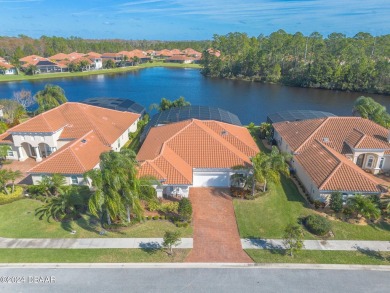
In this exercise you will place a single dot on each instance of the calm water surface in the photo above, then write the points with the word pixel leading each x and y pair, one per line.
pixel 251 101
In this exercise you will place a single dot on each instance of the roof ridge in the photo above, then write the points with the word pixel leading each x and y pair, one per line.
pixel 226 144
pixel 155 167
pixel 344 160
pixel 61 150
pixel 313 133
pixel 176 134
pixel 173 166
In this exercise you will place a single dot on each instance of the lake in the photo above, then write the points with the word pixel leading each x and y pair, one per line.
pixel 251 101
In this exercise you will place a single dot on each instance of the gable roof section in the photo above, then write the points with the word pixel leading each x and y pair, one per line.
pixel 336 130
pixel 76 157
pixel 179 147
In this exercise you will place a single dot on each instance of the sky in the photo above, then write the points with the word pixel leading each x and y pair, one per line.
pixel 190 19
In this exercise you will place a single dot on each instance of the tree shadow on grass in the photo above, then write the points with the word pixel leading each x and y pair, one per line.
pixel 150 247
pixel 90 224
pixel 373 254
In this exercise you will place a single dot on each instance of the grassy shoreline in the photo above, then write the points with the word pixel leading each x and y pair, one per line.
pixel 23 77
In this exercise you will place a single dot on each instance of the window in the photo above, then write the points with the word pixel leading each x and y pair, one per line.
pixel 381 162
pixel 74 180
pixel 370 161
pixel 10 153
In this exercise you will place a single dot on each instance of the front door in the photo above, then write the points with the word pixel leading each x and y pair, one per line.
pixel 360 160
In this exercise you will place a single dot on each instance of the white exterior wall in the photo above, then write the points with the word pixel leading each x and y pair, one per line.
pixel 98 63
pixel 15 154
pixel 68 179
pixel 119 143
pixel 176 190
pixel 306 180
pixel 35 138
pixel 9 71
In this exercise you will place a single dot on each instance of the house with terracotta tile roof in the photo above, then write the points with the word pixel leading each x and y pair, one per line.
pixel 180 59
pixel 7 69
pixel 336 154
pixel 195 153
pixel 69 139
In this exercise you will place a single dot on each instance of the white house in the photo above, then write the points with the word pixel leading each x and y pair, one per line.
pixel 7 69
pixel 69 139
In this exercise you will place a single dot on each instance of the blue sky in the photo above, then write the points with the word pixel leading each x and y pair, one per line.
pixel 190 19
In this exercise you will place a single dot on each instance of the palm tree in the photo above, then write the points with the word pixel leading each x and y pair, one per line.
pixel 362 205
pixel 53 185
pixel 4 179
pixel 63 205
pixel 50 97
pixel 13 175
pixel 116 186
pixel 367 108
pixel 4 151
pixel 268 167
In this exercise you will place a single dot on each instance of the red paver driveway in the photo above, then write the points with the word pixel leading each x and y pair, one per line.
pixel 216 237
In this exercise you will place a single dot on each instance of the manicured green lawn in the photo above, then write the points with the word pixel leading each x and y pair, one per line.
pixel 89 255
pixel 267 216
pixel 321 257
pixel 22 76
pixel 18 220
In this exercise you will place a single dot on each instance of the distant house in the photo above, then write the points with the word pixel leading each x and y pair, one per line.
pixel 7 69
pixel 195 153
pixel 116 57
pixel 93 55
pixel 46 66
pixel 69 139
pixel 216 53
pixel 192 53
pixel 30 60
pixel 335 154
pixel 59 57
pixel 180 59
pixel 164 54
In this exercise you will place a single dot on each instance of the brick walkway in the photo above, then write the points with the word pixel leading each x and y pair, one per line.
pixel 216 237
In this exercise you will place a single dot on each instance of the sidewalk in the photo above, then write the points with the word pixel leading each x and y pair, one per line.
pixel 348 245
pixel 154 243
pixel 89 243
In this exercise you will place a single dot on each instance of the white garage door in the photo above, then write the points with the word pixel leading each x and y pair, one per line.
pixel 211 179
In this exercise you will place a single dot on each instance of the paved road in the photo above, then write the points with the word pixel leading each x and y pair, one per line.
pixel 252 279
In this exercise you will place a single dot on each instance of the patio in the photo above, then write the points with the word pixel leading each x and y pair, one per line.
pixel 22 166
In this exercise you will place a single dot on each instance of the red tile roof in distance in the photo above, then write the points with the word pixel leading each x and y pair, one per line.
pixel 173 150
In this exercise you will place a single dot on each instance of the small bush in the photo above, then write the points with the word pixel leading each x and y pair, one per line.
pixel 7 198
pixel 147 218
pixel 336 202
pixel 162 217
pixel 181 224
pixel 35 190
pixel 155 217
pixel 169 207
pixel 153 205
pixel 185 209
pixel 317 225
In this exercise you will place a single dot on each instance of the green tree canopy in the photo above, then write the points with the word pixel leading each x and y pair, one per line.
pixel 368 108
pixel 50 97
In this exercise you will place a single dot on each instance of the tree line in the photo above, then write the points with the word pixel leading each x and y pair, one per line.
pixel 14 48
pixel 359 63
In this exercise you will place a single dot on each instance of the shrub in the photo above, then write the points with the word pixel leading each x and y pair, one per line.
pixel 347 211
pixel 336 202
pixel 317 225
pixel 162 217
pixel 169 207
pixel 7 198
pixel 147 218
pixel 155 217
pixel 36 190
pixel 185 209
pixel 148 193
pixel 181 224
pixel 153 205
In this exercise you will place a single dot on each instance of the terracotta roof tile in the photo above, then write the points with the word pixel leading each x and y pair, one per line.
pixel 76 157
pixel 6 65
pixel 177 148
pixel 321 144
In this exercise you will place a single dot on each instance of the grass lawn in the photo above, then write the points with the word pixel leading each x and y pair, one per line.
pixel 18 220
pixel 89 255
pixel 22 76
pixel 321 257
pixel 267 216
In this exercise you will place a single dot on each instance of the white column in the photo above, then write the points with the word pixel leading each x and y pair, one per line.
pixel 38 157
pixel 21 154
